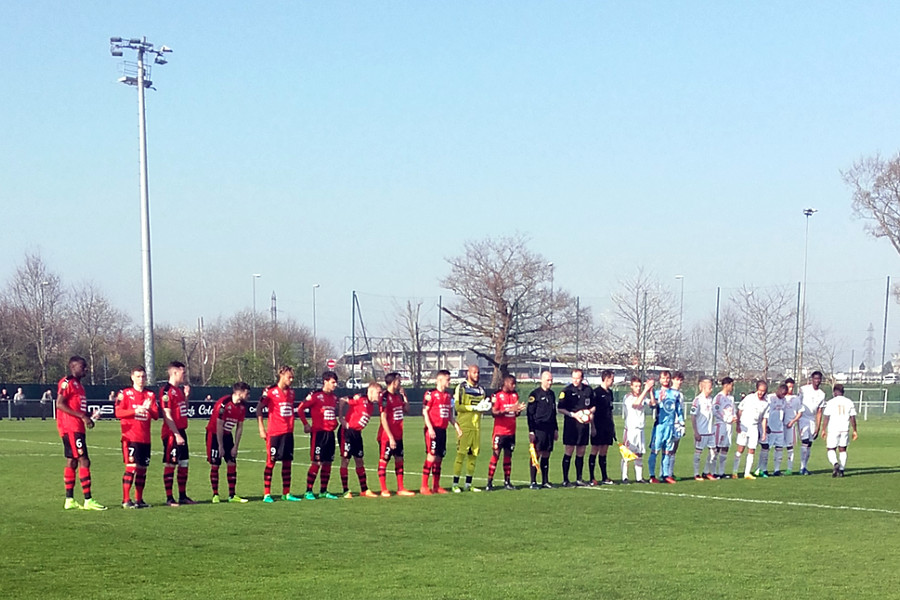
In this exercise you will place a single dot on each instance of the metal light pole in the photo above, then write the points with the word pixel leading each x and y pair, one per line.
pixel 253 278
pixel 141 79
pixel 43 342
pixel 680 319
pixel 808 212
pixel 315 335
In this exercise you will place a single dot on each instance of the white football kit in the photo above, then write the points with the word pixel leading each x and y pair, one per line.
pixel 838 410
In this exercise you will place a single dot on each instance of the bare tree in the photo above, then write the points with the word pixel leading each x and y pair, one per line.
pixel 96 321
pixel 648 319
pixel 875 183
pixel 767 317
pixel 505 307
pixel 38 301
pixel 413 336
pixel 823 349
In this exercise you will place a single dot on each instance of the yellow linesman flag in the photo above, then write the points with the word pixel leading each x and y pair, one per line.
pixel 626 453
pixel 534 457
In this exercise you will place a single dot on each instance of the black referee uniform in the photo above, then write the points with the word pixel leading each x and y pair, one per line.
pixel 574 399
pixel 603 432
pixel 541 413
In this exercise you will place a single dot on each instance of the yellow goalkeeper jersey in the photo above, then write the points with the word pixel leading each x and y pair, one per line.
pixel 466 398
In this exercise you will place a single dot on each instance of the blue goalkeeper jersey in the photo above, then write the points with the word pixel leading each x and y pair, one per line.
pixel 670 405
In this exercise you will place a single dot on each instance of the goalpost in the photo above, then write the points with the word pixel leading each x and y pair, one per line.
pixel 867 398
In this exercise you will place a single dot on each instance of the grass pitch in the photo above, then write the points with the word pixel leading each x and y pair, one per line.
pixel 791 537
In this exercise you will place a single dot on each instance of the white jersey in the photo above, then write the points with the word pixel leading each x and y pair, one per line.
pixel 811 400
pixel 701 411
pixel 751 408
pixel 774 413
pixel 791 408
pixel 839 410
pixel 723 409
pixel 634 417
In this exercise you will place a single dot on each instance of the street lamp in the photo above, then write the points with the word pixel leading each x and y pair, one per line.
pixel 253 278
pixel 808 213
pixel 139 75
pixel 680 319
pixel 314 287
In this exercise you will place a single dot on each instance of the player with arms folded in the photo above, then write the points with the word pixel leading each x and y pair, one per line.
pixel 839 414
pixel 279 400
pixel 135 407
pixel 323 407
pixel 437 411
pixel 173 402
pixel 393 405
pixel 223 437
pixel 506 407
pixel 352 423
pixel 72 420
pixel 469 402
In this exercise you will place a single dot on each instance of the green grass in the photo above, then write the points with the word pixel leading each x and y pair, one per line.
pixel 693 538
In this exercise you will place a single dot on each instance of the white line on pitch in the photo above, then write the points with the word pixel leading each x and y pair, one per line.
pixel 760 501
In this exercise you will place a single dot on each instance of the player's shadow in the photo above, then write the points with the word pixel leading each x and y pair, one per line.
pixel 872 471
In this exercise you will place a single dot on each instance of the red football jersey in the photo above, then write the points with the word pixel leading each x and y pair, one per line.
pixel 391 405
pixel 360 412
pixel 439 405
pixel 323 410
pixel 505 422
pixel 281 409
pixel 228 412
pixel 73 396
pixel 136 428
pixel 172 397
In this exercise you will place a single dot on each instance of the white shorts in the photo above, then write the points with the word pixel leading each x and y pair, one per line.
pixel 722 435
pixel 775 439
pixel 837 439
pixel 748 437
pixel 789 437
pixel 807 429
pixel 634 440
pixel 707 440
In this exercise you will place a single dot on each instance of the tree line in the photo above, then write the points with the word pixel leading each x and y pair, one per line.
pixel 44 320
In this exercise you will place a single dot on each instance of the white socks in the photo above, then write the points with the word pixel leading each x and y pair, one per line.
pixel 804 456
pixel 843 459
pixel 737 461
pixel 763 464
pixel 639 468
pixel 778 454
pixel 697 454
pixel 748 466
pixel 832 457
pixel 790 458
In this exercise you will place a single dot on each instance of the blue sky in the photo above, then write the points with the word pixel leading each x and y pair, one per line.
pixel 357 145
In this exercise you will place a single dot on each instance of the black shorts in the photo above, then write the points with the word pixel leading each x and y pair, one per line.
pixel 281 447
pixel 172 452
pixel 212 448
pixel 75 445
pixel 437 445
pixel 575 433
pixel 602 436
pixel 321 447
pixel 504 442
pixel 543 440
pixel 351 443
pixel 136 453
pixel 385 449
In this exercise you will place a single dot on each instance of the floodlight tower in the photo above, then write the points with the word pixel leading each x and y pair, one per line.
pixel 807 212
pixel 140 77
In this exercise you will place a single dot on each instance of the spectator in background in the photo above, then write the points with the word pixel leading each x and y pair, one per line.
pixel 3 396
pixel 19 404
pixel 46 399
pixel 112 396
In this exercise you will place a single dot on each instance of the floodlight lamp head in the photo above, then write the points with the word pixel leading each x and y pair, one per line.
pixel 165 49
pixel 115 51
pixel 810 211
pixel 115 40
pixel 160 60
pixel 135 41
